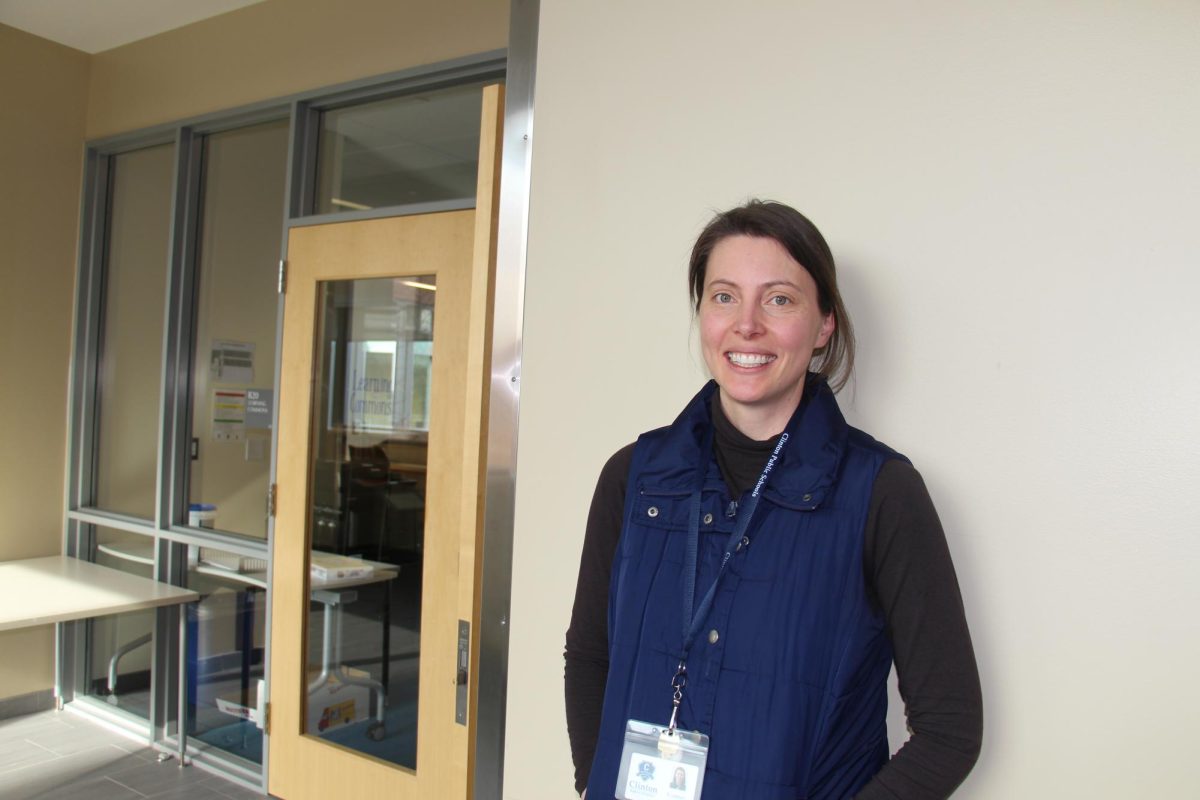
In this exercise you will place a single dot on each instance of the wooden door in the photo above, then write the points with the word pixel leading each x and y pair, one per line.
pixel 382 409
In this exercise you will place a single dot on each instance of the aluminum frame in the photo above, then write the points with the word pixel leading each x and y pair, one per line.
pixel 504 402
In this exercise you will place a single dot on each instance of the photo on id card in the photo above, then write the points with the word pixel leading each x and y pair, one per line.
pixel 649 777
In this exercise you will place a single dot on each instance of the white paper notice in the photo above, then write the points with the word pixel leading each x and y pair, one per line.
pixel 232 362
pixel 228 415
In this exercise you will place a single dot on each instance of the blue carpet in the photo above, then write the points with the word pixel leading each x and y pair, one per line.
pixel 398 745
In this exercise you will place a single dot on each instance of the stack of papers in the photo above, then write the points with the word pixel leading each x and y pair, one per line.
pixel 330 566
pixel 231 561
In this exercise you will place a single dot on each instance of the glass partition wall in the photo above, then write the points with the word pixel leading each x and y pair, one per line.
pixel 174 380
pixel 182 302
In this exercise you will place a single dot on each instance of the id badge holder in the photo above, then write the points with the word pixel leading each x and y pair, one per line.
pixel 661 764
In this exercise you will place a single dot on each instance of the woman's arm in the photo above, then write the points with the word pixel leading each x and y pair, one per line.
pixel 586 652
pixel 912 578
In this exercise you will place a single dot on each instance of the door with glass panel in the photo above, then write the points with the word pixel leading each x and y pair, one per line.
pixel 381 431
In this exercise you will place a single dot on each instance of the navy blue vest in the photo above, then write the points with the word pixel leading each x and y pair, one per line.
pixel 788 675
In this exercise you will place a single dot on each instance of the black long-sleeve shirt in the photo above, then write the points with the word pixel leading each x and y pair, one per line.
pixel 911 579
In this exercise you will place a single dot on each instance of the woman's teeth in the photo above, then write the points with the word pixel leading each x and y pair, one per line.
pixel 749 359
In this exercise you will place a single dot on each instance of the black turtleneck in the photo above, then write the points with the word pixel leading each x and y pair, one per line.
pixel 739 457
pixel 910 578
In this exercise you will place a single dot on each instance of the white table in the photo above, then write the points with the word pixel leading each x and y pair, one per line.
pixel 330 592
pixel 54 589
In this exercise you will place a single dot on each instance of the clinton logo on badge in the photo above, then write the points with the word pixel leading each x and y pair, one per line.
pixel 650 772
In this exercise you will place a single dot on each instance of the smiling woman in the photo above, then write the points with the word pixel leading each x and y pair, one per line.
pixel 762 564
pixel 760 322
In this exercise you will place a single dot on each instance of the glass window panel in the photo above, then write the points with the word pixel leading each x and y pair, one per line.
pixel 412 149
pixel 120 656
pixel 368 493
pixel 226 653
pixel 130 358
pixel 236 303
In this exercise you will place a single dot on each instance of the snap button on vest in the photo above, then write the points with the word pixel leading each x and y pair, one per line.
pixel 652 511
pixel 708 519
pixel 713 636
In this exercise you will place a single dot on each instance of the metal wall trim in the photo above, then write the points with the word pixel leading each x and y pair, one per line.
pixel 507 318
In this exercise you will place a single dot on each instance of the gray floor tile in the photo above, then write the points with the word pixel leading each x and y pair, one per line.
pixel 24 727
pixel 155 778
pixel 48 779
pixel 66 740
pixel 20 753
pixel 98 789
pixel 233 791
pixel 190 793
pixel 64 756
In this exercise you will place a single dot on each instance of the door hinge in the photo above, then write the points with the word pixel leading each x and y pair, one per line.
pixel 282 276
pixel 271 493
pixel 261 715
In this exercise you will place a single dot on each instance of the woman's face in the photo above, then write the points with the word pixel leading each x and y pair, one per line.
pixel 760 322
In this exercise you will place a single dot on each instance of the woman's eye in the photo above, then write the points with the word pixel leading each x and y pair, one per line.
pixel 722 297
pixel 779 300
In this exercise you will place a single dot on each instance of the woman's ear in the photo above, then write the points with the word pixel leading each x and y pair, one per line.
pixel 828 324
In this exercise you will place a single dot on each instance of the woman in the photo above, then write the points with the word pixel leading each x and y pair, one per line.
pixel 777 621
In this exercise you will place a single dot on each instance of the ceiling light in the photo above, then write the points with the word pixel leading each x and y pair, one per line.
pixel 337 201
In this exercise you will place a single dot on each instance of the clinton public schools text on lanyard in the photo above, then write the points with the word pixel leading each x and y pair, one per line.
pixel 653 755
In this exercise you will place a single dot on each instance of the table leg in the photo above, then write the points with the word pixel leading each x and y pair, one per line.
pixel 181 721
pixel 58 657
pixel 387 633
pixel 245 613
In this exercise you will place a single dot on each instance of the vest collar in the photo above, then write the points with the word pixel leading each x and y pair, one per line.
pixel 807 467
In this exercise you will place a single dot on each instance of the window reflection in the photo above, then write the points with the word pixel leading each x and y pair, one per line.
pixel 236 300
pixel 121 653
pixel 411 149
pixel 130 358
pixel 370 427
pixel 226 651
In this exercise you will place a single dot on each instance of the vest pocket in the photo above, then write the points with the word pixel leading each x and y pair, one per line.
pixel 666 511
pixel 718 784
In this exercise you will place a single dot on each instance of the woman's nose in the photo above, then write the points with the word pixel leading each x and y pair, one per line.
pixel 749 320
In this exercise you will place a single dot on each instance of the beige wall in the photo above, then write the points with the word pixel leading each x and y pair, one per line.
pixel 279 47
pixel 44 91
pixel 53 99
pixel 1011 191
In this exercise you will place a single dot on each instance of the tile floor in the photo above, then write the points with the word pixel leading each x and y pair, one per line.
pixel 60 755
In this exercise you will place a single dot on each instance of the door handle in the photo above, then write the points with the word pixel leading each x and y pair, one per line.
pixel 462 677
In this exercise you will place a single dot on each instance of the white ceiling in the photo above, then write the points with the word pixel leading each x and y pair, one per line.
pixel 96 25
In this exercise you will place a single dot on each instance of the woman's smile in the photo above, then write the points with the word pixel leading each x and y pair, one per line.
pixel 749 359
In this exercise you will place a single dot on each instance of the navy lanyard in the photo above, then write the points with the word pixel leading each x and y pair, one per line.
pixel 692 623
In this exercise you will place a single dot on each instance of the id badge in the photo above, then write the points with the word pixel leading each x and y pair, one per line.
pixel 658 764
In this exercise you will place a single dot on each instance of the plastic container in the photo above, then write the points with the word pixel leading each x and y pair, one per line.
pixel 202 515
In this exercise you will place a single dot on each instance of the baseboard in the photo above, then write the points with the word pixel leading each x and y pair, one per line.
pixel 24 704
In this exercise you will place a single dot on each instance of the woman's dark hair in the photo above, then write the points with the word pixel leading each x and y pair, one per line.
pixel 804 243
